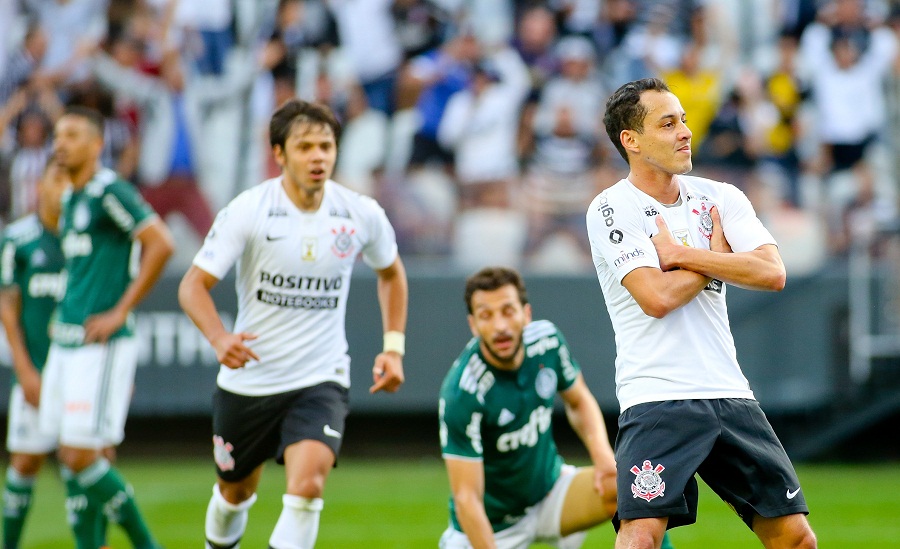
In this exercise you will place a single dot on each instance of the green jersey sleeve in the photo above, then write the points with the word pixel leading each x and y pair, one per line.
pixel 568 366
pixel 126 207
pixel 8 264
pixel 460 424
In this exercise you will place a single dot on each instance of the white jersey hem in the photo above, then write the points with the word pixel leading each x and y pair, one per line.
pixel 684 396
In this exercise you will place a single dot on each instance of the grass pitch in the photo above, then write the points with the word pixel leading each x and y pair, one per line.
pixel 402 504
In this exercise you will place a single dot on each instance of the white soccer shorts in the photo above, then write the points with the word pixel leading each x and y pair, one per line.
pixel 23 435
pixel 539 525
pixel 85 392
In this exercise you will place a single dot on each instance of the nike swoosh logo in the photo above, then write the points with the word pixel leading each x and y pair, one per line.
pixel 790 495
pixel 271 238
pixel 329 432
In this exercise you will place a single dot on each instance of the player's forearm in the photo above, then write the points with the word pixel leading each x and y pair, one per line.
pixel 197 303
pixel 393 297
pixel 475 524
pixel 663 292
pixel 760 269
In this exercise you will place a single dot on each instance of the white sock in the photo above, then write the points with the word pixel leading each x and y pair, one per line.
pixel 298 524
pixel 225 522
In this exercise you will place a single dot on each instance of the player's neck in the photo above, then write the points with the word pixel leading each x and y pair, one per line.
pixel 306 200
pixel 660 185
pixel 81 176
pixel 49 218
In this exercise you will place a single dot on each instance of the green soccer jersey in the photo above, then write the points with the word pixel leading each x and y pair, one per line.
pixel 31 259
pixel 503 419
pixel 98 225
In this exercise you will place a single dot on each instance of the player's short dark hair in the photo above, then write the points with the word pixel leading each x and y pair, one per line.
pixel 624 110
pixel 297 111
pixel 93 116
pixel 492 278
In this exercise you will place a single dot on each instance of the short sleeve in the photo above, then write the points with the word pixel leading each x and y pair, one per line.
pixel 460 426
pixel 126 207
pixel 381 249
pixel 225 241
pixel 617 235
pixel 8 267
pixel 743 230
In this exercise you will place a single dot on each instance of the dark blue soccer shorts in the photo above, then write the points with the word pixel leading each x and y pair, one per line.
pixel 248 430
pixel 728 442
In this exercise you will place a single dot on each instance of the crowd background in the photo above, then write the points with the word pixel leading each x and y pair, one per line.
pixel 477 125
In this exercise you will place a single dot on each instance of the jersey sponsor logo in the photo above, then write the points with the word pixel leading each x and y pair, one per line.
pixel 505 417
pixel 67 334
pixel 568 369
pixel 277 212
pixel 715 285
pixel 443 433
pixel 476 379
pixel 77 245
pixel 542 345
pixel 334 212
pixel 606 210
pixel 528 435
pixel 705 220
pixel 118 213
pixel 298 282
pixel 314 303
pixel 47 285
pixel 616 236
pixel 650 211
pixel 222 453
pixel 473 431
pixel 343 242
pixel 648 484
pixel 545 382
pixel 627 257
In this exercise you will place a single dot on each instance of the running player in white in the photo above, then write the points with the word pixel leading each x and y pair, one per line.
pixel 87 383
pixel 664 245
pixel 31 282
pixel 284 376
pixel 509 485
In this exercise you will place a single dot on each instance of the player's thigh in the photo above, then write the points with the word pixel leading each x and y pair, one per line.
pixel 246 431
pixel 659 447
pixel 748 467
pixel 581 506
pixel 23 434
pixel 316 413
pixel 52 389
pixel 98 382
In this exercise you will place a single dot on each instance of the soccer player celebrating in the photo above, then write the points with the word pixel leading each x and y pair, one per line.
pixel 509 485
pixel 284 377
pixel 664 245
pixel 31 282
pixel 87 382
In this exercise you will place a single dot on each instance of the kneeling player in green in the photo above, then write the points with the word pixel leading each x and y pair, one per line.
pixel 509 485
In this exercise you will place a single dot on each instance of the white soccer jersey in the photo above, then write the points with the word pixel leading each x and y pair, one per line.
pixel 293 278
pixel 688 354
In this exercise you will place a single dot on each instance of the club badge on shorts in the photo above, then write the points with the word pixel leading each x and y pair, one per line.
pixel 222 453
pixel 648 485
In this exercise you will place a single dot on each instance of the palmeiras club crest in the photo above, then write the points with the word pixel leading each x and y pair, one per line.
pixel 648 485
pixel 343 242
pixel 706 224
pixel 222 453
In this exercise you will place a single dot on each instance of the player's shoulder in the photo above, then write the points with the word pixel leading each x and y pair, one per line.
pixel 537 330
pixel 617 194
pixel 348 200
pixel 24 230
pixel 106 180
pixel 703 187
pixel 257 198
pixel 461 384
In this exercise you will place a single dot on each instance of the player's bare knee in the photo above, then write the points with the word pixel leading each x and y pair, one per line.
pixel 26 465
pixel 308 487
pixel 236 492
pixel 77 459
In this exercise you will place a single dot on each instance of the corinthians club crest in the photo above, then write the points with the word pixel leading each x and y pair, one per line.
pixel 343 242
pixel 706 224
pixel 648 485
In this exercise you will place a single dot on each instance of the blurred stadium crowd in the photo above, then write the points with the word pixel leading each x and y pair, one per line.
pixel 476 124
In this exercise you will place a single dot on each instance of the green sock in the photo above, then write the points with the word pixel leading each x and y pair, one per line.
pixel 84 515
pixel 666 543
pixel 104 485
pixel 16 503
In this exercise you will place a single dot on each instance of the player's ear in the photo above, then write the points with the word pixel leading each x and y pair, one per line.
pixel 472 328
pixel 629 141
pixel 278 154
